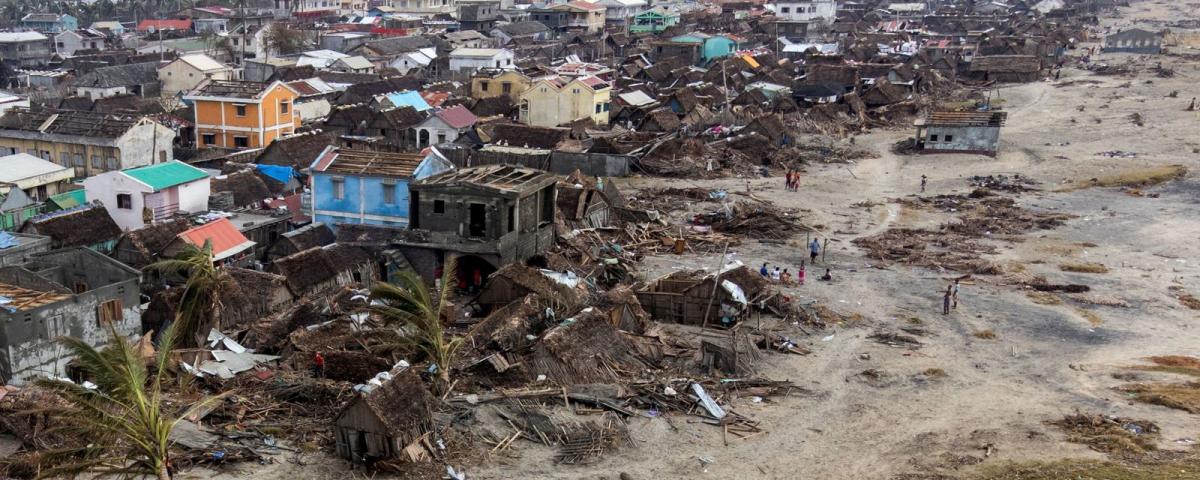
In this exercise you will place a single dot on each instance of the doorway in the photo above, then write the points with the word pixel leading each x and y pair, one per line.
pixel 477 220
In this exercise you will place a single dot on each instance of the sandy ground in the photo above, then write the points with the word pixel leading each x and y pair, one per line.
pixel 1045 360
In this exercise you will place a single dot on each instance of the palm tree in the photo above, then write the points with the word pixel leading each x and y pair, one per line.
pixel 408 306
pixel 120 414
pixel 199 307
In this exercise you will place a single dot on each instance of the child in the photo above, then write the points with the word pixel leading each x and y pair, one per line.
pixel 800 274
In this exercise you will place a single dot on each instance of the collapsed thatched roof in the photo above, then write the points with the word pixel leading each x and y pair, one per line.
pixel 588 348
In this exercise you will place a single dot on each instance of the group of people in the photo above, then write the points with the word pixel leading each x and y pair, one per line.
pixel 791 181
pixel 950 300
pixel 785 276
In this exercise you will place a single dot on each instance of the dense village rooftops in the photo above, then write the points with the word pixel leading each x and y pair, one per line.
pixel 69 122
pixel 523 28
pixel 500 178
pixel 964 119
pixel 362 162
pixel 20 299
pixel 398 45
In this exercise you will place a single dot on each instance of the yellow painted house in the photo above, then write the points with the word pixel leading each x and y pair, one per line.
pixel 494 82
pixel 237 114
pixel 554 100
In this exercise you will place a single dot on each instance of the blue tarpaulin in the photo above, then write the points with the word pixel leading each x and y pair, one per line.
pixel 278 172
pixel 7 240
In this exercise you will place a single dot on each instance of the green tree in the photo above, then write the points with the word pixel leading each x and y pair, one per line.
pixel 200 305
pixel 283 40
pixel 121 417
pixel 408 306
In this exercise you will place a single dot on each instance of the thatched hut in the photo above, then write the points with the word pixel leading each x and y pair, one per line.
pixel 384 419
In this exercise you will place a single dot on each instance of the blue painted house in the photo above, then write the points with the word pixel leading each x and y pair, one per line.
pixel 358 186
pixel 711 46
pixel 50 22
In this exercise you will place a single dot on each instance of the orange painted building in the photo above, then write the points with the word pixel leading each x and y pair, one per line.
pixel 237 114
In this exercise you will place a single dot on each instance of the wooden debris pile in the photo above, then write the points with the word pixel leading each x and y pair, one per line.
pixel 955 245
pixel 758 220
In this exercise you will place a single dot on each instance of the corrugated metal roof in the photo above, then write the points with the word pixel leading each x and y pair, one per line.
pixel 17 167
pixel 166 175
pixel 457 116
pixel 70 199
pixel 226 240
pixel 202 62
pixel 408 99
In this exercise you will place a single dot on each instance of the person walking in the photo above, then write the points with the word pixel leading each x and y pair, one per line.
pixel 946 302
pixel 814 249
pixel 924 180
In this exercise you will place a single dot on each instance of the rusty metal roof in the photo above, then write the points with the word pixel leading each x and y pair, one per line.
pixel 967 119
pixel 503 178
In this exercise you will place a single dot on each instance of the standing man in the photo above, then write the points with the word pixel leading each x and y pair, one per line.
pixel 924 179
pixel 319 365
pixel 954 297
pixel 814 249
pixel 946 301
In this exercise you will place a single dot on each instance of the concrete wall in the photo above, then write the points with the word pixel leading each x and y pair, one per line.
pixel 529 232
pixel 180 76
pixel 362 201
pixel 27 54
pixel 105 188
pixel 67 43
pixel 962 139
pixel 20 254
pixel 145 144
pixel 593 164
pixel 28 346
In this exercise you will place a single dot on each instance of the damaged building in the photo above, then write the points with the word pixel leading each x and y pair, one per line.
pixel 960 132
pixel 484 217
pixel 72 292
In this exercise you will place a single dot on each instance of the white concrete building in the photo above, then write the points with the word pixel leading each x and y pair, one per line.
pixel 145 195
pixel 806 11
pixel 409 61
pixel 466 61
pixel 184 73
pixel 71 41
pixel 618 12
